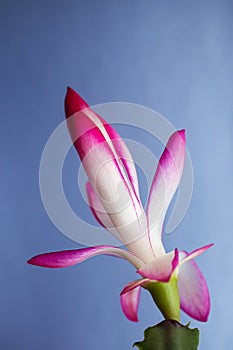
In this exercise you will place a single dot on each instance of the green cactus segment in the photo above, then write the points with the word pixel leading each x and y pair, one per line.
pixel 169 335
pixel 166 297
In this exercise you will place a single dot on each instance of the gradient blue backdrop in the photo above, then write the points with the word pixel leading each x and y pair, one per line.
pixel 172 56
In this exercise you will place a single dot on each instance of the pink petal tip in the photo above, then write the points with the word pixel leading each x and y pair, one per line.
pixel 73 102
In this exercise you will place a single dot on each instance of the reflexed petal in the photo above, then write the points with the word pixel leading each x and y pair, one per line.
pixel 72 257
pixel 195 253
pixel 134 284
pixel 129 304
pixel 194 295
pixel 161 268
pixel 130 299
pixel 164 185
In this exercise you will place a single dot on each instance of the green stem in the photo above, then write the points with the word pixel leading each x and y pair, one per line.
pixel 166 297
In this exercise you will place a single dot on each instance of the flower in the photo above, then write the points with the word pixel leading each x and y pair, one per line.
pixel 173 278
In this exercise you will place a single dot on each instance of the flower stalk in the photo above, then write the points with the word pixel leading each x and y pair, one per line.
pixel 166 297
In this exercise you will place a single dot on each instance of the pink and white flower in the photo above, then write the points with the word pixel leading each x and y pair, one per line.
pixel 173 278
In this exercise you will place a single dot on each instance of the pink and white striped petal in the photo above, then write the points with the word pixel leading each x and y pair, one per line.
pixel 193 290
pixel 166 180
pixel 130 299
pixel 85 121
pixel 105 176
pixel 161 268
pixel 73 104
pixel 67 258
pixel 108 179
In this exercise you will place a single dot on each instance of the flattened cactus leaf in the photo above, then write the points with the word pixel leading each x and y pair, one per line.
pixel 169 335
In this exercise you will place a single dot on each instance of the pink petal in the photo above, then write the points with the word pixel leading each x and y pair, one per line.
pixel 195 253
pixel 74 103
pixel 83 120
pixel 92 134
pixel 130 299
pixel 72 257
pixel 104 172
pixel 161 268
pixel 134 284
pixel 129 304
pixel 164 185
pixel 193 290
pixel 107 176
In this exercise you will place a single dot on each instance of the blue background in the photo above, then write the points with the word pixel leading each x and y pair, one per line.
pixel 173 56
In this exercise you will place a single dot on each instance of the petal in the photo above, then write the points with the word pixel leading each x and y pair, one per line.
pixel 72 257
pixel 134 284
pixel 194 254
pixel 194 294
pixel 105 174
pixel 89 132
pixel 98 211
pixel 87 119
pixel 125 156
pixel 108 178
pixel 164 185
pixel 161 268
pixel 74 103
pixel 129 304
pixel 130 299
